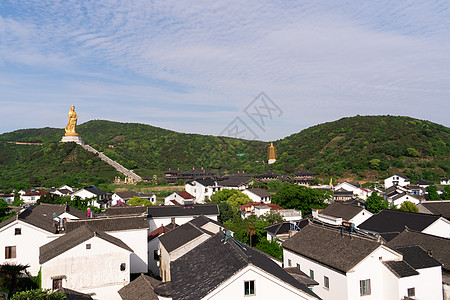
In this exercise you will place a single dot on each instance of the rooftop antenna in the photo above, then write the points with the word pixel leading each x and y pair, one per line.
pixel 294 226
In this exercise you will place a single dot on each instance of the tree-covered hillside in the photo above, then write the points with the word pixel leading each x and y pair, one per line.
pixel 369 147
pixel 361 147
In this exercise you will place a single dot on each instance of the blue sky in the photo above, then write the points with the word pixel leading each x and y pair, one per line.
pixel 195 67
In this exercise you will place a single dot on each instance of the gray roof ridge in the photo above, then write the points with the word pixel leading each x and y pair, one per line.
pixel 360 234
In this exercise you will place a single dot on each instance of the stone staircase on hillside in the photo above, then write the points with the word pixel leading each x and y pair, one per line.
pixel 113 163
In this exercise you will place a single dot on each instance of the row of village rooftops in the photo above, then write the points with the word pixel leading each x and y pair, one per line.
pixel 189 255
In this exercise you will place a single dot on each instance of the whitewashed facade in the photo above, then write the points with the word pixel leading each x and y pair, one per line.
pixel 396 180
pixel 101 270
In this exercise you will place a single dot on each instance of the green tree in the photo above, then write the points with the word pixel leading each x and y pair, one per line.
pixel 409 206
pixel 226 212
pixel 238 199
pixel 222 195
pixel 272 248
pixel 272 217
pixel 38 295
pixel 14 278
pixel 4 210
pixel 432 193
pixel 375 203
pixel 300 197
pixel 446 194
pixel 139 201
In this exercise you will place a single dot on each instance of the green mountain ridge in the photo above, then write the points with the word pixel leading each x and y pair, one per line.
pixel 360 147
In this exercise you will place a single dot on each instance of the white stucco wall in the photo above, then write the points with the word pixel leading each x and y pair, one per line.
pixel 95 270
pixel 136 240
pixel 361 217
pixel 439 228
pixel 152 265
pixel 27 244
pixel 399 201
pixel 388 182
pixel 428 284
pixel 266 287
pixel 337 280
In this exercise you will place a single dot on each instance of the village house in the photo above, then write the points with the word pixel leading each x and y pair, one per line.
pixel 179 198
pixel 183 239
pixel 396 180
pixel 437 247
pixel 238 182
pixel 122 197
pixel 97 195
pixel 87 260
pixel 266 177
pixel 132 230
pixel 396 220
pixel 202 189
pixel 22 235
pixel 63 190
pixel 8 198
pixel 142 287
pixel 153 247
pixel 303 177
pixel 179 214
pixel 280 232
pixel 337 212
pixel 436 207
pixel 397 200
pixel 222 268
pixel 31 196
pixel 258 195
pixel 350 265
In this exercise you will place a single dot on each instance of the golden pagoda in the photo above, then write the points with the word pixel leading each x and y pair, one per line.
pixel 272 156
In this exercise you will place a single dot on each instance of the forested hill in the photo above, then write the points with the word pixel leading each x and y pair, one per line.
pixel 361 147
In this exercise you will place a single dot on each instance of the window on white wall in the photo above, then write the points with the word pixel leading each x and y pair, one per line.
pixel 326 282
pixel 298 266
pixel 289 263
pixel 311 274
pixel 364 287
pixel 17 231
pixel 249 287
pixel 57 283
pixel 411 292
pixel 10 252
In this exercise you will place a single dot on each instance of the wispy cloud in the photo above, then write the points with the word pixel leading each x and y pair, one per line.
pixel 205 61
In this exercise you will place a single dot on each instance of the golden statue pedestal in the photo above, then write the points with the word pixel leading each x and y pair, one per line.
pixel 75 139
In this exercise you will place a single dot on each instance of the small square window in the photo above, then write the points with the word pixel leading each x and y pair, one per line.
pixel 123 266
pixel 10 252
pixel 411 292
pixel 326 282
pixel 311 274
pixel 57 283
pixel 289 263
pixel 249 287
pixel 88 246
pixel 17 231
pixel 364 287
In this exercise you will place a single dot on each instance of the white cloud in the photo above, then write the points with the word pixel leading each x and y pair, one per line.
pixel 319 61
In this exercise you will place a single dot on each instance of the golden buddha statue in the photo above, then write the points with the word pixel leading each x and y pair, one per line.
pixel 70 127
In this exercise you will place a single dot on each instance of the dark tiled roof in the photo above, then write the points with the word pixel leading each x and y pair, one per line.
pixel 416 257
pixel 202 270
pixel 326 245
pixel 126 210
pixel 340 210
pixel 235 181
pixel 300 276
pixel 127 194
pixel 206 182
pixel 178 210
pixel 95 190
pixel 164 289
pixel 160 230
pixel 284 227
pixel 438 247
pixel 140 288
pixel 74 238
pixel 110 223
pixel 260 192
pixel 438 208
pixel 423 182
pixel 179 236
pixel 202 220
pixel 401 268
pixel 73 295
pixel 387 236
pixel 395 220
pixel 41 216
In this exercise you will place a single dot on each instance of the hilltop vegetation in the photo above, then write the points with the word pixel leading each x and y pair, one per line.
pixel 361 147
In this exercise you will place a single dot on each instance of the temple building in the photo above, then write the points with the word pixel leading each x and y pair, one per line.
pixel 272 156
